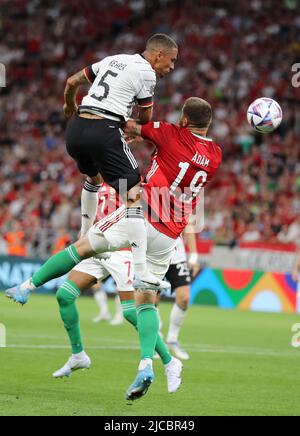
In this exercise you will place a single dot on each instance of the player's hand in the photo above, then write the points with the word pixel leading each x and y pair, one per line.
pixel 194 264
pixel 296 270
pixel 69 111
pixel 195 269
pixel 132 128
pixel 133 139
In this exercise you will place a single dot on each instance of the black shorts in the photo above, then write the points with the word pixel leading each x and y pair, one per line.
pixel 179 275
pixel 99 147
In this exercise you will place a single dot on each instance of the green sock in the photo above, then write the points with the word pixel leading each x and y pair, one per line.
pixel 57 266
pixel 148 326
pixel 129 311
pixel 66 297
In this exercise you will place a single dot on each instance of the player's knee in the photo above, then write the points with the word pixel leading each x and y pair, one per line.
pixel 96 180
pixel 130 317
pixel 134 195
pixel 183 302
pixel 64 298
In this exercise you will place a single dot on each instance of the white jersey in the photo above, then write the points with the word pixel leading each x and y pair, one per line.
pixel 118 83
pixel 179 255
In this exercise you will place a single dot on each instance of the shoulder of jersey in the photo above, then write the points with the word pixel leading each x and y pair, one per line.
pixel 141 63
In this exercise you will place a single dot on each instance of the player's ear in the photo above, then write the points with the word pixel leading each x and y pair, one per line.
pixel 160 54
pixel 183 121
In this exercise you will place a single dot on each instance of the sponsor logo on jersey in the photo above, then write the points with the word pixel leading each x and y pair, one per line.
pixel 118 65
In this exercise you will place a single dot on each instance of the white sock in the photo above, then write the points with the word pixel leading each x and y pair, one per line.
pixel 176 320
pixel 137 236
pixel 119 310
pixel 102 301
pixel 160 321
pixel 89 206
pixel 170 363
pixel 28 285
pixel 79 356
pixel 144 363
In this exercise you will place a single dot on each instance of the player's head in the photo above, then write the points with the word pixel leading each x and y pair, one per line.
pixel 196 113
pixel 161 51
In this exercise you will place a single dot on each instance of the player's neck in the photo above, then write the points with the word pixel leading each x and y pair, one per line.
pixel 199 132
pixel 147 56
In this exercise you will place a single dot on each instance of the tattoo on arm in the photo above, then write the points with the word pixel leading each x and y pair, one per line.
pixel 137 129
pixel 145 114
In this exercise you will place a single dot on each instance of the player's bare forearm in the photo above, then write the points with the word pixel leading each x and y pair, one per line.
pixel 190 239
pixel 145 114
pixel 71 88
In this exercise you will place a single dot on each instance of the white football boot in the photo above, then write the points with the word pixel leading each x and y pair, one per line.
pixel 178 351
pixel 73 364
pixel 149 282
pixel 102 317
pixel 173 372
pixel 117 320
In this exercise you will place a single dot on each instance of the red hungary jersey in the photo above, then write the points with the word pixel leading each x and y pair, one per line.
pixel 109 201
pixel 183 165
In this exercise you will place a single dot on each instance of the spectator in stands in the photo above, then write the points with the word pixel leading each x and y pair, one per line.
pixel 15 240
pixel 225 57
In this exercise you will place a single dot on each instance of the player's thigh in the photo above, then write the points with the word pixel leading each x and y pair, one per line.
pixel 180 279
pixel 179 275
pixel 88 273
pixel 110 234
pixel 77 145
pixel 82 280
pixel 160 251
pixel 126 296
pixel 114 159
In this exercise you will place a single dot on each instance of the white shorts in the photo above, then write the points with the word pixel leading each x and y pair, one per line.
pixel 112 235
pixel 180 255
pixel 119 266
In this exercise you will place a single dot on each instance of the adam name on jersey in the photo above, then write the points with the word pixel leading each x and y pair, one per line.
pixel 203 161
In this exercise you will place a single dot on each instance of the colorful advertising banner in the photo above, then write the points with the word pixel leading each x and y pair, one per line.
pixel 247 290
pixel 228 289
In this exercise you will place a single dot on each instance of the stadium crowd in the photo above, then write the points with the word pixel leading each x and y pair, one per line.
pixel 230 54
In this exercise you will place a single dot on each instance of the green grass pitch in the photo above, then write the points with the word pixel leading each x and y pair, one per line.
pixel 241 363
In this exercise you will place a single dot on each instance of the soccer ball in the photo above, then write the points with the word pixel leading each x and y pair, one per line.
pixel 264 115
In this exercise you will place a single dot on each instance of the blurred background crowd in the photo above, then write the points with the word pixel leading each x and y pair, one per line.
pixel 230 54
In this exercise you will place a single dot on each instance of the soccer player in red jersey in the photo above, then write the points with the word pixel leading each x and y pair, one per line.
pixel 90 271
pixel 185 162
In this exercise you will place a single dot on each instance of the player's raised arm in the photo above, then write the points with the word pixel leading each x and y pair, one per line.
pixel 145 114
pixel 72 85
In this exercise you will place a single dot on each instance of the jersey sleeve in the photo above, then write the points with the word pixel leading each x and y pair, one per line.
pixel 157 131
pixel 92 71
pixel 145 86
